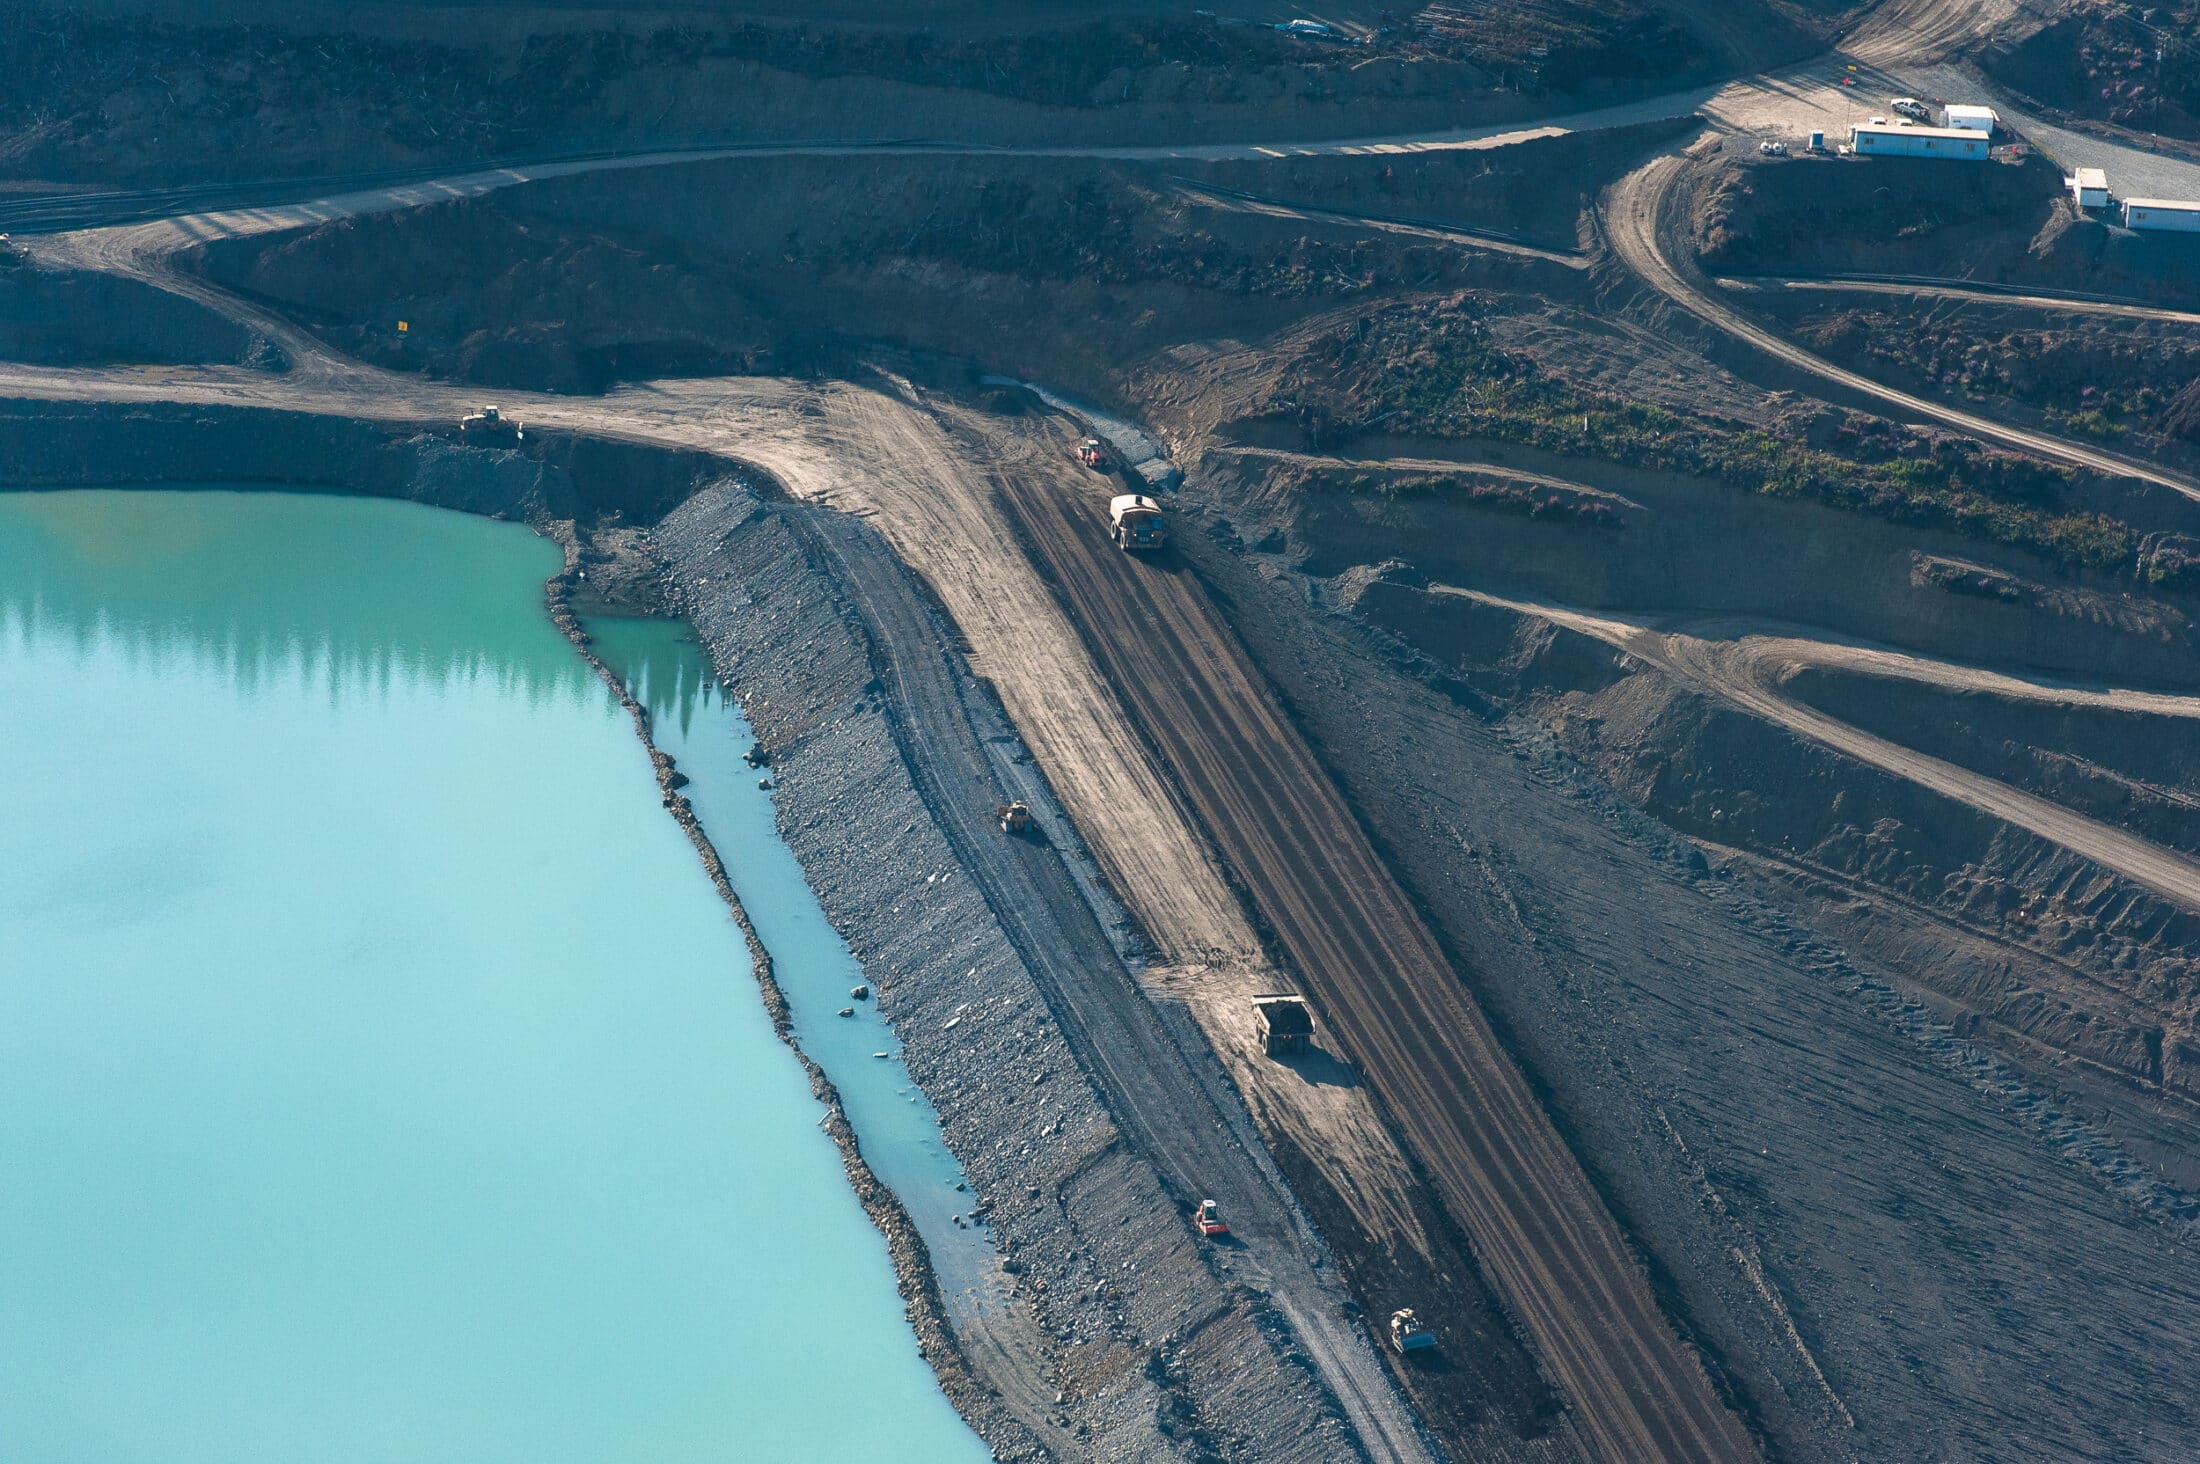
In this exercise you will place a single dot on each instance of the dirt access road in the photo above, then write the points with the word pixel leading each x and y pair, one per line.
pixel 1384 988
pixel 1897 47
pixel 1744 672
pixel 1638 220
pixel 1911 288
pixel 233 210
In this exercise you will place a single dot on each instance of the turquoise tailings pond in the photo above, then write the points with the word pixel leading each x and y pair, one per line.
pixel 381 1077
pixel 702 730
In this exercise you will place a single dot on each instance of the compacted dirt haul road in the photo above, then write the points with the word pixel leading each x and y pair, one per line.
pixel 1381 984
pixel 1637 219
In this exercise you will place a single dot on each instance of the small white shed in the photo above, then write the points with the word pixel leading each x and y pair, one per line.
pixel 1970 119
pixel 2181 216
pixel 2089 186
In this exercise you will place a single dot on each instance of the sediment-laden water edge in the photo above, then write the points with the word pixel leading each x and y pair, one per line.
pixel 366 1039
pixel 913 1262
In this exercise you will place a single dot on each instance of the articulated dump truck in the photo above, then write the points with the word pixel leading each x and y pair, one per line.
pixel 1137 524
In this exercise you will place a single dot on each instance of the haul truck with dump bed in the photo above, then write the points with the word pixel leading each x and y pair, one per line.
pixel 1136 523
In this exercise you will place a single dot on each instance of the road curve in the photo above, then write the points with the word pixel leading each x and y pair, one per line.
pixel 1388 997
pixel 1633 210
pixel 1744 678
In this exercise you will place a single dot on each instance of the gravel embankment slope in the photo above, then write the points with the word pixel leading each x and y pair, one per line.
pixel 1155 1349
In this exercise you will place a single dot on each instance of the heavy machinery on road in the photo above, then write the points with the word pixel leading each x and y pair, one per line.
pixel 489 422
pixel 1093 453
pixel 1286 1025
pixel 1207 1220
pixel 1015 818
pixel 1136 523
pixel 1407 1334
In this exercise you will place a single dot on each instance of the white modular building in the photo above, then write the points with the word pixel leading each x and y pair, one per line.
pixel 1970 119
pixel 2181 216
pixel 1887 139
pixel 2089 186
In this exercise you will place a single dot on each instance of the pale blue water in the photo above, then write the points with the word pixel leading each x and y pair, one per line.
pixel 702 729
pixel 380 1077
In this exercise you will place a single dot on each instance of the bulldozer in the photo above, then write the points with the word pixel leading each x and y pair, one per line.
pixel 1207 1220
pixel 1407 1335
pixel 490 423
pixel 1093 453
pixel 1015 818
